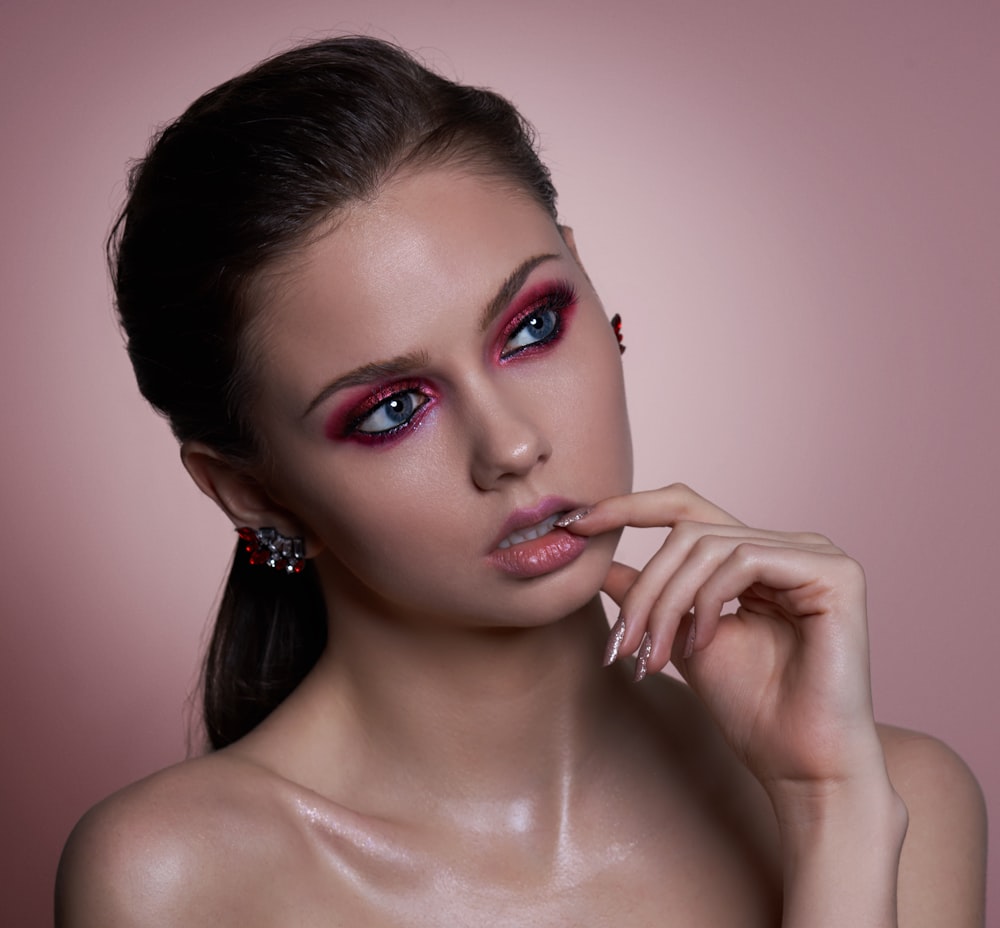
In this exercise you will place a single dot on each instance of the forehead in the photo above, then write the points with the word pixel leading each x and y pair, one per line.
pixel 431 241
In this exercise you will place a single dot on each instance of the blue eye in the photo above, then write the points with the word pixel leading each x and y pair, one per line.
pixel 541 323
pixel 537 327
pixel 392 413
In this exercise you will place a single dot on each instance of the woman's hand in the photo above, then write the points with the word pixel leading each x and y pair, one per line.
pixel 786 675
pixel 786 678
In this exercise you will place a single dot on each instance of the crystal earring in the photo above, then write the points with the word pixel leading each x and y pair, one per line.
pixel 616 324
pixel 268 546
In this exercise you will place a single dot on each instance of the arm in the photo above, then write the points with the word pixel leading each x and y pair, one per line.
pixel 786 678
pixel 840 853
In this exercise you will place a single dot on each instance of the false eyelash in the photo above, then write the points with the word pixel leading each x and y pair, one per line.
pixel 344 425
pixel 559 297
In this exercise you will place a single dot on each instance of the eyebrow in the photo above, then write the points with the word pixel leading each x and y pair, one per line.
pixel 510 287
pixel 368 373
pixel 410 362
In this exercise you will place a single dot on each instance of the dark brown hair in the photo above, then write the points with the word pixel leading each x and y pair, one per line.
pixel 238 181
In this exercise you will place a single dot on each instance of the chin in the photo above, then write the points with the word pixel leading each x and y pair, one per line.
pixel 563 592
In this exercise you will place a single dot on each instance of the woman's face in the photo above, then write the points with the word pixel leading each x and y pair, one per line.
pixel 438 383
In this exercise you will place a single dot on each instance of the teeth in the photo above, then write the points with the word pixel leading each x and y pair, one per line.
pixel 532 532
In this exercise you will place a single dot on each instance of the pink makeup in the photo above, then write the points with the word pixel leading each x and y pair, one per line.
pixel 530 545
pixel 537 320
pixel 382 415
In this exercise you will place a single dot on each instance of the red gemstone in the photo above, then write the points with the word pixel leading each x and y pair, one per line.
pixel 260 556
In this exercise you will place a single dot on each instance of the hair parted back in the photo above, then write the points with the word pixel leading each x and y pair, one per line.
pixel 239 181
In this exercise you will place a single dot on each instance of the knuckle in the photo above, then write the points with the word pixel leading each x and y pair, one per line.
pixel 703 545
pixel 853 570
pixel 813 538
pixel 685 531
pixel 686 498
pixel 746 553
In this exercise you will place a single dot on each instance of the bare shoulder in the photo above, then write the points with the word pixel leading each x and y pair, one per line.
pixel 943 866
pixel 160 851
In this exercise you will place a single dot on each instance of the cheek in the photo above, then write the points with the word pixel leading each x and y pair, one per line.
pixel 594 413
pixel 376 517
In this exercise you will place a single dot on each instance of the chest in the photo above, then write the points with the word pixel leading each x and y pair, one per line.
pixel 684 875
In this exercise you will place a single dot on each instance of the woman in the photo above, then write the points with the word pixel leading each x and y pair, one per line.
pixel 343 282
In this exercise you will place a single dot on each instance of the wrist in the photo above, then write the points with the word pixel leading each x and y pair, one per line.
pixel 841 844
pixel 857 793
pixel 810 814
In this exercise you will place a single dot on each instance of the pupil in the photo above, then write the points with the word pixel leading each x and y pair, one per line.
pixel 398 409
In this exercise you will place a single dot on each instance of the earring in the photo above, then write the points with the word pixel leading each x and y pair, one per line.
pixel 616 324
pixel 268 546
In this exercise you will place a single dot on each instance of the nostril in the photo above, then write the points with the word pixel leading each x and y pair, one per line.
pixel 505 450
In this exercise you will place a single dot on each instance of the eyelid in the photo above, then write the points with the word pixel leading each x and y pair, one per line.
pixel 558 295
pixel 342 423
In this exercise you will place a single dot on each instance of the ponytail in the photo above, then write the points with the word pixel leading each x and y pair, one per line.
pixel 236 184
pixel 269 632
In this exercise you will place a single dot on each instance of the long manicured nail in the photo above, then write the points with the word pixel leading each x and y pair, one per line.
pixel 642 658
pixel 614 642
pixel 689 644
pixel 575 516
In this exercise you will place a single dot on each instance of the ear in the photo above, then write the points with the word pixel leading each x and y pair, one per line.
pixel 239 494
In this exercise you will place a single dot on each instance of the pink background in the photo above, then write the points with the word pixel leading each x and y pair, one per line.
pixel 796 209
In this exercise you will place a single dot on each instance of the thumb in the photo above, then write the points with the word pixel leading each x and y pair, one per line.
pixel 619 581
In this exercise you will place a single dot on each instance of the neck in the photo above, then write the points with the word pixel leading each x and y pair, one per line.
pixel 477 717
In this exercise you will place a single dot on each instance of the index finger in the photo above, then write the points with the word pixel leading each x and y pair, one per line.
pixel 664 507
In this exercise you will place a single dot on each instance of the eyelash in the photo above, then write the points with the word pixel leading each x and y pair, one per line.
pixel 558 300
pixel 380 400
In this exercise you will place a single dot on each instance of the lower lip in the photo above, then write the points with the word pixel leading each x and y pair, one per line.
pixel 540 556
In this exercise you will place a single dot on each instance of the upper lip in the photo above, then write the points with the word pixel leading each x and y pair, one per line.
pixel 521 519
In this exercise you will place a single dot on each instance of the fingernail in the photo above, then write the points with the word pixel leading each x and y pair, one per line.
pixel 575 516
pixel 689 644
pixel 645 647
pixel 614 642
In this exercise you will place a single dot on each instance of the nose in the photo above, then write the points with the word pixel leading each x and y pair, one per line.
pixel 507 442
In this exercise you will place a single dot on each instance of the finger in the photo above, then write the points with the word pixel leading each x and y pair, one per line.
pixel 619 581
pixel 802 584
pixel 668 587
pixel 648 508
pixel 669 605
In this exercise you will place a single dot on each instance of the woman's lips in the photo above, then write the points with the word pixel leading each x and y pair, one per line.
pixel 541 555
pixel 531 532
pixel 531 544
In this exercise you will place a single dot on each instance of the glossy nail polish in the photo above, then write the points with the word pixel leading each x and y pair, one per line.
pixel 689 644
pixel 575 516
pixel 614 642
pixel 642 658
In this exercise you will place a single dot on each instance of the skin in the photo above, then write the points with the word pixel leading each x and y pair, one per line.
pixel 459 755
